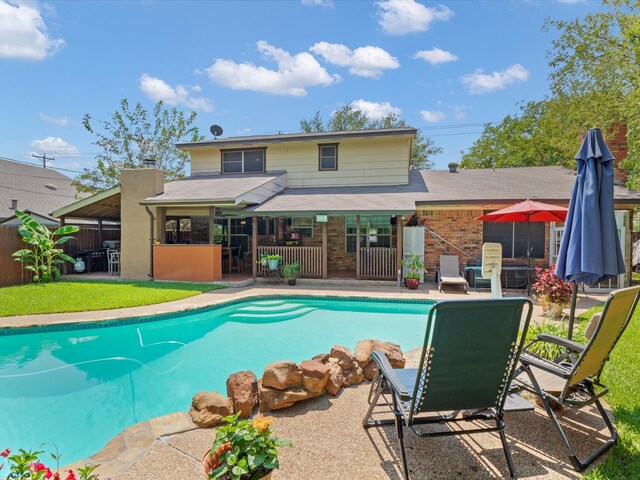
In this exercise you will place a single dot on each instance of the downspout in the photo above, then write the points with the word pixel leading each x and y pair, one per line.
pixel 151 229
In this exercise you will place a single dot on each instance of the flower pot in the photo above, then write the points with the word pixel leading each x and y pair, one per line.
pixel 291 281
pixel 207 466
pixel 411 283
pixel 273 264
pixel 554 311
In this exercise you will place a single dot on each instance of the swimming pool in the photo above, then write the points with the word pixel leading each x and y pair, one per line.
pixel 78 386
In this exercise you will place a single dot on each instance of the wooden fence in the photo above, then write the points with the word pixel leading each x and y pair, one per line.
pixel 13 273
pixel 310 259
pixel 378 263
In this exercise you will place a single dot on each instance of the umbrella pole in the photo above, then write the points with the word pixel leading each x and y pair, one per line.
pixel 528 257
pixel 572 312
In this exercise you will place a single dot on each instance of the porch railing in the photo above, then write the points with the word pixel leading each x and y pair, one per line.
pixel 378 263
pixel 310 259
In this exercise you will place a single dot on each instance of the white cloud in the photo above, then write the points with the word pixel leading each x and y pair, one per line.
pixel 157 89
pixel 294 74
pixel 363 61
pixel 459 111
pixel 318 3
pixel 479 82
pixel 375 110
pixel 432 115
pixel 400 17
pixel 55 146
pixel 61 121
pixel 435 56
pixel 23 33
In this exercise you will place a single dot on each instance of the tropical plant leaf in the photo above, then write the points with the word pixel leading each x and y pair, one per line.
pixel 66 229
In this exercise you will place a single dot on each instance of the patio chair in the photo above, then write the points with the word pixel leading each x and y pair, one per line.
pixel 449 273
pixel 113 259
pixel 237 260
pixel 470 353
pixel 573 379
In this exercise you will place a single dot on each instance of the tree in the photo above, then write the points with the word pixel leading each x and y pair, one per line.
pixel 348 118
pixel 537 136
pixel 130 136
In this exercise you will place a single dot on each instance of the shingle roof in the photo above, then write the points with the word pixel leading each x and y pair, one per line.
pixel 40 190
pixel 506 185
pixel 296 137
pixel 216 188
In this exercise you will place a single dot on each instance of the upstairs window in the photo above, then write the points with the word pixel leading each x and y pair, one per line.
pixel 243 161
pixel 328 156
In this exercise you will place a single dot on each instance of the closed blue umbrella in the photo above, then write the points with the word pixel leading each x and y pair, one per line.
pixel 590 248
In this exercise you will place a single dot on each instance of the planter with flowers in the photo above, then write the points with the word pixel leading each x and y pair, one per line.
pixel 553 293
pixel 243 450
pixel 26 465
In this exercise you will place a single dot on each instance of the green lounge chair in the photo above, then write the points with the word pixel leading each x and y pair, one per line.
pixel 573 379
pixel 470 353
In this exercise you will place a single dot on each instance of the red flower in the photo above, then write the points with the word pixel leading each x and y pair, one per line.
pixel 56 476
pixel 71 476
pixel 37 467
pixel 5 452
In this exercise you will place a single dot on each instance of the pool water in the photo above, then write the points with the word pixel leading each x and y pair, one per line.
pixel 76 388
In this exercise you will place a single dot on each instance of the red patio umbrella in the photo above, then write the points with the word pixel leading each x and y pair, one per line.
pixel 527 211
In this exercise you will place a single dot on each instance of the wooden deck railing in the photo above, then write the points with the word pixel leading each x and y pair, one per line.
pixel 310 259
pixel 378 263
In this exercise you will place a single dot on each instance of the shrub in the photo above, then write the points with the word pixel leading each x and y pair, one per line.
pixel 550 289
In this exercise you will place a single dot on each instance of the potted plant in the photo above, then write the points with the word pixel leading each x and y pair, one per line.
pixel 26 465
pixel 272 260
pixel 291 271
pixel 415 265
pixel 243 450
pixel 553 293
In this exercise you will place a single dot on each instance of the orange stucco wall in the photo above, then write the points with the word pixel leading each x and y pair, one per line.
pixel 189 263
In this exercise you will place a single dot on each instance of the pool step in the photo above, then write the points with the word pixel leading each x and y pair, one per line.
pixel 269 309
pixel 270 317
pixel 269 302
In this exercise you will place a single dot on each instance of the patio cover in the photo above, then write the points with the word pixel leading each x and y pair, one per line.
pixel 103 205
pixel 229 190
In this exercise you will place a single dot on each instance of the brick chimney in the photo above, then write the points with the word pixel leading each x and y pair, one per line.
pixel 616 140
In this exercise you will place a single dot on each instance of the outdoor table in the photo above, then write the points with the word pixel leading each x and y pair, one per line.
pixel 228 251
pixel 476 269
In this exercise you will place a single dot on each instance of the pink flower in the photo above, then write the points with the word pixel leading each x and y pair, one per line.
pixel 5 452
pixel 71 476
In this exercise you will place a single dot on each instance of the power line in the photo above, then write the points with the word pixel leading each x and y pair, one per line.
pixel 34 165
pixel 44 159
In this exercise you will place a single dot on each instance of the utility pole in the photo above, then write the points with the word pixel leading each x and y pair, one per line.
pixel 44 159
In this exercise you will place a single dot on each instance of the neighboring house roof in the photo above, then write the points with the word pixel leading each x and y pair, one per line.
pixel 216 189
pixel 506 185
pixel 298 137
pixel 392 199
pixel 14 221
pixel 40 190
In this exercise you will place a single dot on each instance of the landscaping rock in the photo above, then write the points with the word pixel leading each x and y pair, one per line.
pixel 314 375
pixel 322 358
pixel 370 370
pixel 242 388
pixel 208 408
pixel 344 357
pixel 335 380
pixel 392 350
pixel 272 399
pixel 282 375
pixel 353 376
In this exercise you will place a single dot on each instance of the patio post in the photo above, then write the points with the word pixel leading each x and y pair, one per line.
pixel 357 247
pixel 324 250
pixel 254 246
pixel 161 227
pixel 100 233
pixel 398 242
pixel 212 226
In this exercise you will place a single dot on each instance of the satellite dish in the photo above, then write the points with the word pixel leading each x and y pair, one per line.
pixel 216 131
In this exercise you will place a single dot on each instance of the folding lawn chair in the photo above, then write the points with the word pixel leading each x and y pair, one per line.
pixel 470 353
pixel 573 379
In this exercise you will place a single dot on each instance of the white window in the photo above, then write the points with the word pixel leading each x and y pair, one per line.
pixel 374 232
pixel 243 161
pixel 328 156
pixel 303 225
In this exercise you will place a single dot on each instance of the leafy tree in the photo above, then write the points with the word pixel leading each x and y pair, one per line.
pixel 44 255
pixel 597 60
pixel 348 118
pixel 133 134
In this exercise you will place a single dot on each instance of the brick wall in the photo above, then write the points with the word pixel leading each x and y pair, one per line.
pixel 617 142
pixel 460 228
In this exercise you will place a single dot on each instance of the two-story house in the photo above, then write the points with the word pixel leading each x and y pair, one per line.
pixel 336 202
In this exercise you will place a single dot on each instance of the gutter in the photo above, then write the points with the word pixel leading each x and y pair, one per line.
pixel 151 225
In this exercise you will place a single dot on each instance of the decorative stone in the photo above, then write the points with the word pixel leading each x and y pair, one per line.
pixel 282 375
pixel 335 380
pixel 353 376
pixel 272 399
pixel 322 358
pixel 242 388
pixel 314 375
pixel 208 408
pixel 370 370
pixel 344 357
pixel 392 350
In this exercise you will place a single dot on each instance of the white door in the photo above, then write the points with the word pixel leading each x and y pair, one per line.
pixel 622 218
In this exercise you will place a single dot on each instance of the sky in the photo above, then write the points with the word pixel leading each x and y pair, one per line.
pixel 259 67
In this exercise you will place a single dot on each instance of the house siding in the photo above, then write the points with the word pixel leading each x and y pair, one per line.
pixel 370 161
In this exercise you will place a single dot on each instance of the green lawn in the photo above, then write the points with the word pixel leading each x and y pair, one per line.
pixel 622 376
pixel 82 296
